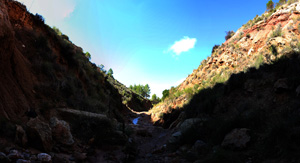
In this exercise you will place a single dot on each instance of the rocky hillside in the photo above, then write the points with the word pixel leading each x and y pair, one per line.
pixel 53 98
pixel 242 103
pixel 261 40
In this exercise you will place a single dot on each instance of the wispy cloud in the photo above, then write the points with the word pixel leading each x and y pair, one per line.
pixel 54 11
pixel 68 12
pixel 183 45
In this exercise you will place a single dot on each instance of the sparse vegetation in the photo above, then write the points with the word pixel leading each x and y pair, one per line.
pixel 280 3
pixel 277 32
pixel 292 1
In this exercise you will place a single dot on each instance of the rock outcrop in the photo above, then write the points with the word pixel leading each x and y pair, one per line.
pixel 40 135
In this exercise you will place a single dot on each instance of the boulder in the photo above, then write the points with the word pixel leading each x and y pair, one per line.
pixel 281 85
pixel 21 137
pixel 95 126
pixel 44 157
pixel 236 139
pixel 298 90
pixel 175 137
pixel 199 146
pixel 61 131
pixel 189 123
pixel 39 134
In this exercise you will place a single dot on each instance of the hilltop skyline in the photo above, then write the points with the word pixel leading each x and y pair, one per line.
pixel 150 42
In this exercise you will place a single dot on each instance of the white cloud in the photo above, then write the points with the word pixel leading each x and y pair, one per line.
pixel 183 45
pixel 54 11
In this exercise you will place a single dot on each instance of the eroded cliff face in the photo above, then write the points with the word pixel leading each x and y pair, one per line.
pixel 44 76
pixel 17 80
pixel 262 40
pixel 41 69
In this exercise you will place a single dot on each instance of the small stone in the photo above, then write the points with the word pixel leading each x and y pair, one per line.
pixel 199 145
pixel 23 161
pixel 33 157
pixel 79 156
pixel 15 154
pixel 27 156
pixel 2 155
pixel 177 134
pixel 281 85
pixel 44 157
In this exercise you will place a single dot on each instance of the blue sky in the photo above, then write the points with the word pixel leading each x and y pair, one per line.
pixel 155 42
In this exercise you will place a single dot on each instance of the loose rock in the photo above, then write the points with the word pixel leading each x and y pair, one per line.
pixel 61 131
pixel 237 139
pixel 281 85
pixel 40 134
pixel 44 157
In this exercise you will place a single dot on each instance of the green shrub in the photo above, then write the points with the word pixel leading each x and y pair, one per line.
pixel 155 99
pixel 215 48
pixel 248 35
pixel 39 19
pixel 165 94
pixel 87 55
pixel 277 32
pixel 257 19
pixel 110 72
pixel 189 92
pixel 259 61
pixel 57 31
pixel 273 50
pixel 229 34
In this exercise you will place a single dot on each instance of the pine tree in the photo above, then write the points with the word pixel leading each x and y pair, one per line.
pixel 270 5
